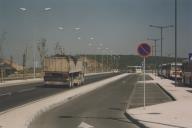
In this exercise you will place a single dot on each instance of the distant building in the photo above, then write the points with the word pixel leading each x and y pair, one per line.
pixel 8 67
pixel 190 57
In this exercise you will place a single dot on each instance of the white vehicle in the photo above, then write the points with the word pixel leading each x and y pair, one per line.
pixel 162 70
pixel 175 70
pixel 63 70
pixel 187 74
pixel 134 69
pixel 168 70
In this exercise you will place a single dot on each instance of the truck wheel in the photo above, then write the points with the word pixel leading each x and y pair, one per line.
pixel 184 81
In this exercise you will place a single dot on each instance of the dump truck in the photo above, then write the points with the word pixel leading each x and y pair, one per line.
pixel 63 70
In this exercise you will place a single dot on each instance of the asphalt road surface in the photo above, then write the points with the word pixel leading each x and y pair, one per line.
pixel 102 108
pixel 13 96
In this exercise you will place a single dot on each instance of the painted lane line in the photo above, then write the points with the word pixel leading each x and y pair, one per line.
pixel 26 90
pixel 85 125
pixel 6 94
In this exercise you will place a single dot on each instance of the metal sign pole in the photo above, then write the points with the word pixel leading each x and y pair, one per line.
pixel 1 75
pixel 144 50
pixel 144 103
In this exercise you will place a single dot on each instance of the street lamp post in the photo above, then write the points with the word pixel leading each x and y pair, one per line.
pixel 161 29
pixel 107 58
pixel 99 65
pixel 95 59
pixel 175 40
pixel 34 57
pixel 101 48
pixel 102 64
pixel 155 42
pixel 118 62
pixel 34 62
pixel 103 53
pixel 95 63
pixel 111 59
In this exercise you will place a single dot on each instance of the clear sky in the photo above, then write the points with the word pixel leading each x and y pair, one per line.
pixel 119 25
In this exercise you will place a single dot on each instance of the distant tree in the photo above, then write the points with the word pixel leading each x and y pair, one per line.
pixel 24 57
pixel 2 40
pixel 11 60
pixel 41 47
pixel 59 50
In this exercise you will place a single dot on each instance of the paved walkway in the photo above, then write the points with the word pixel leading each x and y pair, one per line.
pixel 174 114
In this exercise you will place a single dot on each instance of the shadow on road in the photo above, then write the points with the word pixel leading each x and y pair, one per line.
pixel 53 86
pixel 124 120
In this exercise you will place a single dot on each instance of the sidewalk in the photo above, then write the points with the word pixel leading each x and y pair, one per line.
pixel 175 114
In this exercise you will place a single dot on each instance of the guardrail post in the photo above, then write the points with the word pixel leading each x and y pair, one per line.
pixel 1 75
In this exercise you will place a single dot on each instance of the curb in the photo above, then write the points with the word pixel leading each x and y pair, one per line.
pixel 136 122
pixel 168 93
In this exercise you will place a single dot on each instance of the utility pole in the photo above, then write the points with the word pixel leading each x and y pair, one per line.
pixel 24 61
pixel 102 63
pixel 155 42
pixel 175 41
pixel 42 50
pixel 161 30
pixel 2 40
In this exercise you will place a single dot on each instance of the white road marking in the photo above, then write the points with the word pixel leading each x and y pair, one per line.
pixel 6 94
pixel 85 125
pixel 26 90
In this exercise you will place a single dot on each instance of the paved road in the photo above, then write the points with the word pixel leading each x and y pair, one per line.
pixel 18 95
pixel 102 108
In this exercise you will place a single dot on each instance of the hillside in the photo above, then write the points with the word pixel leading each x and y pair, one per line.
pixel 132 60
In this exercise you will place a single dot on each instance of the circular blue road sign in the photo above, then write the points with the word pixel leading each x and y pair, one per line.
pixel 144 49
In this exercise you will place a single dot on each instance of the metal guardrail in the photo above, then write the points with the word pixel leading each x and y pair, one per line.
pixel 31 76
pixel 20 77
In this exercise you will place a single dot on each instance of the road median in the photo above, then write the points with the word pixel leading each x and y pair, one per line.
pixel 166 115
